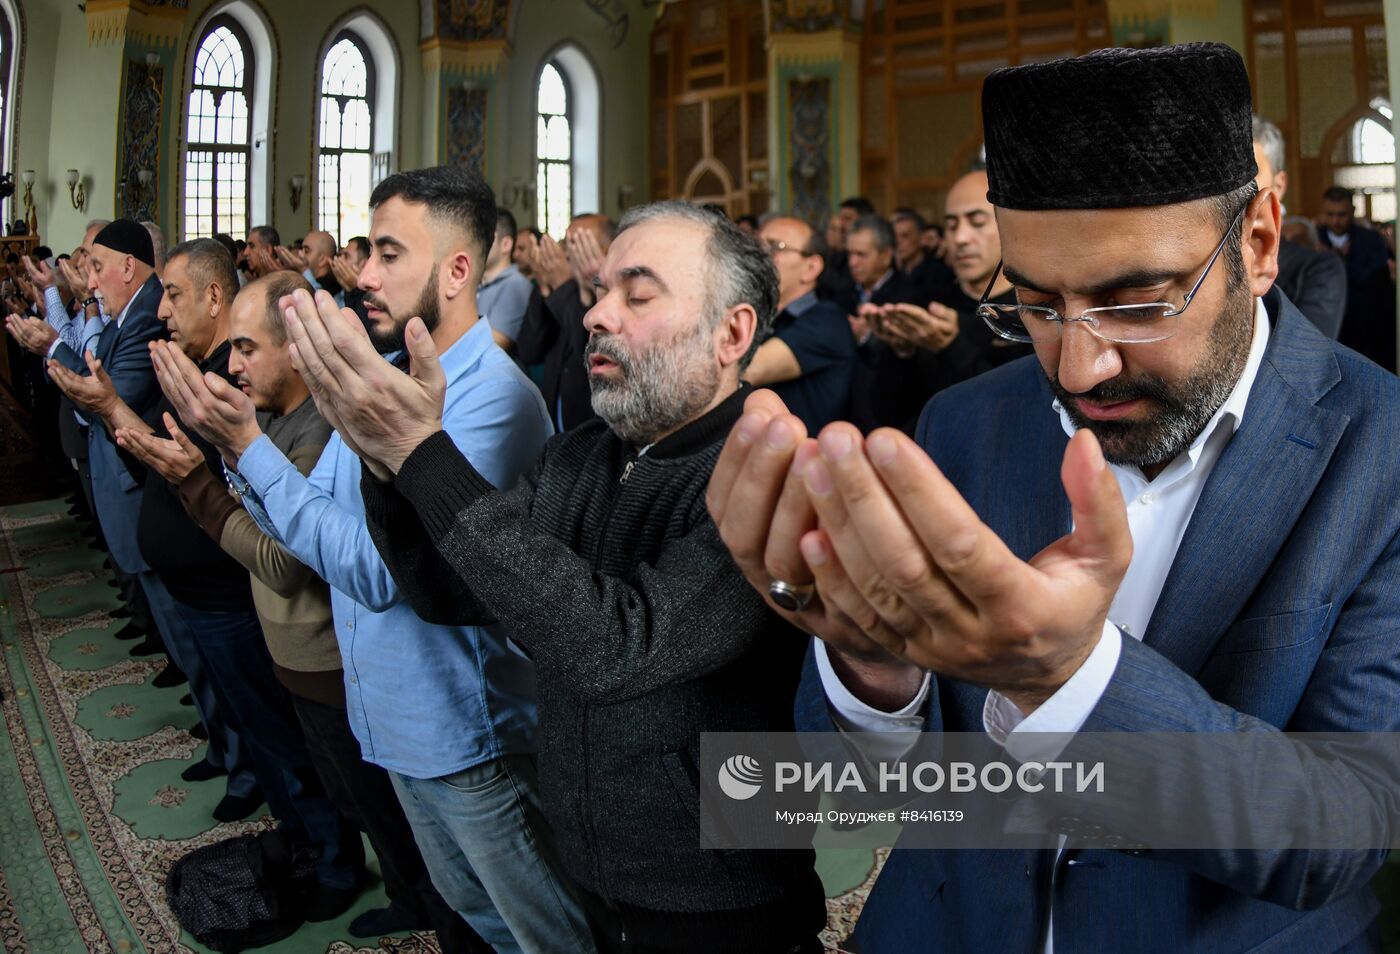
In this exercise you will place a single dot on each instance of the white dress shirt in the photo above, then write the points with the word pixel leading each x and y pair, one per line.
pixel 1158 513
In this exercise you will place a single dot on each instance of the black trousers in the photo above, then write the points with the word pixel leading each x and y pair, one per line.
pixel 363 794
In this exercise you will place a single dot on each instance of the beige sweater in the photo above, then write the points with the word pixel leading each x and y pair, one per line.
pixel 293 603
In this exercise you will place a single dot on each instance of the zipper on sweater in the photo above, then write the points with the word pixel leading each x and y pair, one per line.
pixel 587 800
pixel 627 471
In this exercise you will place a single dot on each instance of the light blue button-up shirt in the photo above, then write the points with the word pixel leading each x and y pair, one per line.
pixel 424 700
pixel 78 332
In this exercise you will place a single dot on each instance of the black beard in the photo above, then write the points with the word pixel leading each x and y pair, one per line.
pixel 1181 409
pixel 387 342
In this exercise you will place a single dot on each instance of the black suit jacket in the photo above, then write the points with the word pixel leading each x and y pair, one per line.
pixel 1369 324
pixel 1316 283
pixel 835 281
pixel 875 400
pixel 552 334
pixel 932 277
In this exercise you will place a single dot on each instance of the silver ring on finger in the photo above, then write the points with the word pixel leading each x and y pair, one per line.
pixel 790 596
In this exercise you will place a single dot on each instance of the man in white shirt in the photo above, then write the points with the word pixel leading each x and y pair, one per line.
pixel 1226 560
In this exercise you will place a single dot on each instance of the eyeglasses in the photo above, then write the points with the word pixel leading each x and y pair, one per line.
pixel 1120 324
pixel 774 247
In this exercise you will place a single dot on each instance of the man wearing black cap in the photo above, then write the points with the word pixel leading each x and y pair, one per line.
pixel 973 596
pixel 121 273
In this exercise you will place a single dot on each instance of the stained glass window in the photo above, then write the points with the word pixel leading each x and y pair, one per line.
pixel 554 174
pixel 343 180
pixel 218 133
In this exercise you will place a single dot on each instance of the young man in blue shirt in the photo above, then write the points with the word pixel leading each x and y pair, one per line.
pixel 448 710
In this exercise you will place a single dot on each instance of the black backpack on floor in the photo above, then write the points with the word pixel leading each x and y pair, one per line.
pixel 244 892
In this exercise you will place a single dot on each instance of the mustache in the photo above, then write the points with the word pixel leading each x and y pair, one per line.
pixel 1118 390
pixel 377 304
pixel 607 346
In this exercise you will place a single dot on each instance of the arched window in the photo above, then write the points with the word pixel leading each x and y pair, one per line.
pixel 1363 160
pixel 1372 143
pixel 554 175
pixel 347 138
pixel 218 133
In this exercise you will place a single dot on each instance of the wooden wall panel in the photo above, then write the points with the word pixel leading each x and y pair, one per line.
pixel 1316 66
pixel 923 62
pixel 714 103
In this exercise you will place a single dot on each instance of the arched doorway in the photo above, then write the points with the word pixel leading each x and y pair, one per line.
pixel 1360 155
pixel 710 183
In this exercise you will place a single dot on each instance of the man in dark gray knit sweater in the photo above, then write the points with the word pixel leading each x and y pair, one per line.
pixel 604 565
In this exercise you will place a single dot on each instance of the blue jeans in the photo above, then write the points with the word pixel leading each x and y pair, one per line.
pixel 225 748
pixel 491 855
pixel 261 710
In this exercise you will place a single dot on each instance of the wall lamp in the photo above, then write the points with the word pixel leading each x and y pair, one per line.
pixel 76 193
pixel 297 183
pixel 144 178
pixel 517 190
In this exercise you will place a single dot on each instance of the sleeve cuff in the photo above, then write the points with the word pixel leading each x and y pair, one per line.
pixel 888 736
pixel 378 497
pixel 54 347
pixel 1044 733
pixel 261 463
pixel 440 483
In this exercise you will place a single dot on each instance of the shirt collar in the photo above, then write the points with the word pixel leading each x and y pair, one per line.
pixel 463 355
pixel 122 316
pixel 1231 413
pixel 800 306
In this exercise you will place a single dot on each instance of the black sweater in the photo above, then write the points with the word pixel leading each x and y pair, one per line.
pixel 606 567
pixel 191 565
pixel 553 334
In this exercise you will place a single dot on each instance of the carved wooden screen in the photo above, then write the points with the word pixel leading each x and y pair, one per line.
pixel 709 98
pixel 1318 69
pixel 923 62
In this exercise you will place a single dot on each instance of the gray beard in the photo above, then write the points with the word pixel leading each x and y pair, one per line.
pixel 657 390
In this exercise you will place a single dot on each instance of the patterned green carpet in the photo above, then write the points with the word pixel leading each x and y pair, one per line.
pixel 92 808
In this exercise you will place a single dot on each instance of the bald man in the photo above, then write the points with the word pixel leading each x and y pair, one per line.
pixel 320 249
